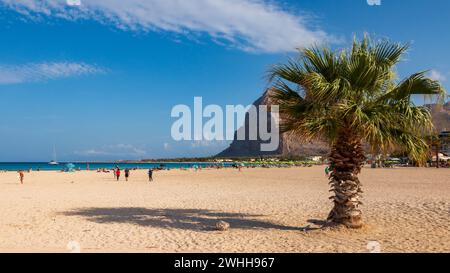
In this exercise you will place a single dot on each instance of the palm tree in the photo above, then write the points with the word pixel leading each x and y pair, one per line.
pixel 352 99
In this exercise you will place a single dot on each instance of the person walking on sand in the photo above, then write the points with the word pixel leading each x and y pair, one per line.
pixel 329 170
pixel 118 174
pixel 21 176
pixel 127 174
pixel 150 175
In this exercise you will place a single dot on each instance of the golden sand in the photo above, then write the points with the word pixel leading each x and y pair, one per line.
pixel 269 210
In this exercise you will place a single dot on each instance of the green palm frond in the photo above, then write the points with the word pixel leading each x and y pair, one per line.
pixel 388 54
pixel 292 72
pixel 416 84
pixel 325 92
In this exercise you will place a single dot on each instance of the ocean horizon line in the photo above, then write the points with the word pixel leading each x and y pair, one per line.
pixel 64 166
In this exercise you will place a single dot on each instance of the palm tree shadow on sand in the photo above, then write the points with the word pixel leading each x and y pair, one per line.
pixel 186 219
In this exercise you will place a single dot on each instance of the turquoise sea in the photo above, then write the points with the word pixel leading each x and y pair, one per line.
pixel 44 166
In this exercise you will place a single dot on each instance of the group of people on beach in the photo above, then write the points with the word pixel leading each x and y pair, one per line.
pixel 117 172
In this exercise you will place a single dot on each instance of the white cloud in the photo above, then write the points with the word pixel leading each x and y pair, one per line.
pixel 35 72
pixel 166 146
pixel 73 2
pixel 437 76
pixel 117 150
pixel 209 143
pixel 128 148
pixel 91 152
pixel 252 25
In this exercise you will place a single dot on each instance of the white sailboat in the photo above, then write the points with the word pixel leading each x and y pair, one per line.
pixel 54 162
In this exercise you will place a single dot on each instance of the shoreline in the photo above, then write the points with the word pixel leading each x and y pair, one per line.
pixel 255 166
pixel 269 210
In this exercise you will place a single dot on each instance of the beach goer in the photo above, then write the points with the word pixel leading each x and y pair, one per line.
pixel 127 174
pixel 329 170
pixel 21 176
pixel 118 174
pixel 150 175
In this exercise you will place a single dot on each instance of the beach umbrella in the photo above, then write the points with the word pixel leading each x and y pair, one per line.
pixel 70 167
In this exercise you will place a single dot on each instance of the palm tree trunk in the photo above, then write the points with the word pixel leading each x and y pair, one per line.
pixel 346 158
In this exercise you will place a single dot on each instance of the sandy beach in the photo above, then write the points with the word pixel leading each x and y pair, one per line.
pixel 270 210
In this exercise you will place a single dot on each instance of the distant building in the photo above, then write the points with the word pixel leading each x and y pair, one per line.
pixel 315 158
pixel 445 142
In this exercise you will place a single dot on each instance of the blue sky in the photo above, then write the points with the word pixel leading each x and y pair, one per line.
pixel 99 80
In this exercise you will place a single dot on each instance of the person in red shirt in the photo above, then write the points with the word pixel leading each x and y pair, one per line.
pixel 118 174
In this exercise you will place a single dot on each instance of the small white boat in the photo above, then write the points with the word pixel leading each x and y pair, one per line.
pixel 54 162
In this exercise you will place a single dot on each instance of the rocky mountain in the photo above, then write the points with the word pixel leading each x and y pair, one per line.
pixel 288 144
pixel 291 146
pixel 441 116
